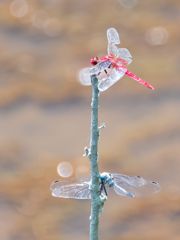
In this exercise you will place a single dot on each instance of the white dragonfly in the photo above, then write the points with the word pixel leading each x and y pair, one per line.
pixel 124 185
pixel 112 64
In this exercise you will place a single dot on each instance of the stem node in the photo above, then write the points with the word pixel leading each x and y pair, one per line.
pixel 86 150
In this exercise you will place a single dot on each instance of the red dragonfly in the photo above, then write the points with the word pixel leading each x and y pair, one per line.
pixel 113 63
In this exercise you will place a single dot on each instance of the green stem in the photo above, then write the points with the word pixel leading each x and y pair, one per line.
pixel 97 201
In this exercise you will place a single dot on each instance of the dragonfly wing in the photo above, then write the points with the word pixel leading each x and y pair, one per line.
pixel 113 39
pixel 112 50
pixel 72 188
pixel 134 186
pixel 123 53
pixel 113 76
pixel 98 68
pixel 113 36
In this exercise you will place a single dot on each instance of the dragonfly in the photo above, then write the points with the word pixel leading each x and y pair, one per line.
pixel 124 185
pixel 112 64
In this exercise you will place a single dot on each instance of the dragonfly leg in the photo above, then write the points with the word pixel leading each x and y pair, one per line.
pixel 105 189
pixel 101 188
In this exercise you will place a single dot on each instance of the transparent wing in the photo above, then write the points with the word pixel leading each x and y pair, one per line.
pixel 98 68
pixel 123 53
pixel 113 36
pixel 113 76
pixel 134 186
pixel 113 39
pixel 72 188
pixel 112 50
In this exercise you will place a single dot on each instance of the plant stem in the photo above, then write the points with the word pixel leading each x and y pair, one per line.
pixel 97 201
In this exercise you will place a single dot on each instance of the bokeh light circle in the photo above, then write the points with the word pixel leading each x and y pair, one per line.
pixel 27 18
pixel 19 8
pixel 156 36
pixel 83 78
pixel 65 169
pixel 128 3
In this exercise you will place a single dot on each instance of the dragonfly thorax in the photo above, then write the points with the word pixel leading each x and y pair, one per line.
pixel 106 178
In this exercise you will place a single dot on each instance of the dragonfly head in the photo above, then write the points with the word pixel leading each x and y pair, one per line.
pixel 102 178
pixel 94 61
pixel 106 178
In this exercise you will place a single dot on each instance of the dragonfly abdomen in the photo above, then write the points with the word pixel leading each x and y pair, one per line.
pixel 130 74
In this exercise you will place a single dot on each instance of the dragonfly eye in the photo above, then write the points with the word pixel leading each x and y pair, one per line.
pixel 94 61
pixel 102 178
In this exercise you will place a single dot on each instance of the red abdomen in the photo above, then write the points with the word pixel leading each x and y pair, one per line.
pixel 130 74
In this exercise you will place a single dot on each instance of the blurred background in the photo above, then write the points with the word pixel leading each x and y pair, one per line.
pixel 45 116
